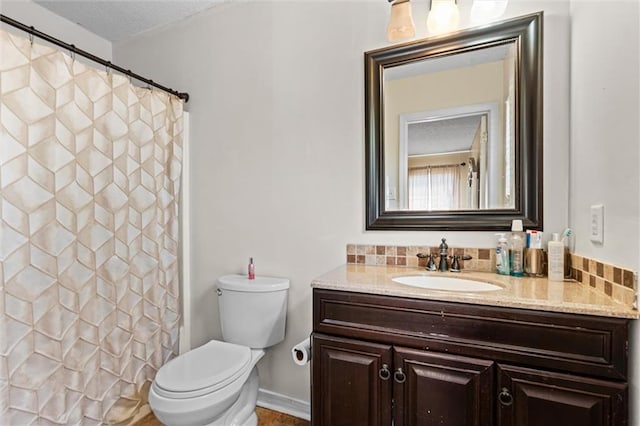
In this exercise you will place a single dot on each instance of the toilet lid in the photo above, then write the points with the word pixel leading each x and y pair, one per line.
pixel 210 367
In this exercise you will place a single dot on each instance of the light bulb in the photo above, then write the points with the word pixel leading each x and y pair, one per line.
pixel 443 16
pixel 487 10
pixel 401 22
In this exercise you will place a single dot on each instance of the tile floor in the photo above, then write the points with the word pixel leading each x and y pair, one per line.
pixel 265 418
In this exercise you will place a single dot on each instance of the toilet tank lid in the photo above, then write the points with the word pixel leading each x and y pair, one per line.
pixel 258 285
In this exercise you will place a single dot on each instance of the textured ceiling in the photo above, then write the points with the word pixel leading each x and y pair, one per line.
pixel 119 19
pixel 442 136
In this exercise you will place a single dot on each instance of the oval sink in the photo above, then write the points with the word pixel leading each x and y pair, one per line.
pixel 445 283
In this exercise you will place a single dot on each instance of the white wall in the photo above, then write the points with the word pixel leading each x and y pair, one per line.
pixel 605 136
pixel 277 112
pixel 605 140
pixel 33 15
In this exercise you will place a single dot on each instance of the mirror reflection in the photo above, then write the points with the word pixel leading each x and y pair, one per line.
pixel 449 132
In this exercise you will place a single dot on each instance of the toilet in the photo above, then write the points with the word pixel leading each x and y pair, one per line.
pixel 217 383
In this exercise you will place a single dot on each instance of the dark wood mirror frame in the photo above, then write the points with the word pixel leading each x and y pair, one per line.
pixel 526 32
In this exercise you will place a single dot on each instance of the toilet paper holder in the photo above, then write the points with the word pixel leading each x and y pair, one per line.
pixel 301 352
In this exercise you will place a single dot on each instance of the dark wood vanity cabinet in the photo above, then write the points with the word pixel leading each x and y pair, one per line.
pixel 543 398
pixel 346 377
pixel 383 360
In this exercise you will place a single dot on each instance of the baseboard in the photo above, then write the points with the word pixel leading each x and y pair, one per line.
pixel 284 404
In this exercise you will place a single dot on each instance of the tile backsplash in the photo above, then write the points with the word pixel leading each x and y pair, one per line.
pixel 614 281
pixel 481 259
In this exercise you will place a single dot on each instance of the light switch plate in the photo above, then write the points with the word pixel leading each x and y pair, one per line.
pixel 597 224
pixel 391 193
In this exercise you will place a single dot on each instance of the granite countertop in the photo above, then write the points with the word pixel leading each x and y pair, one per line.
pixel 525 293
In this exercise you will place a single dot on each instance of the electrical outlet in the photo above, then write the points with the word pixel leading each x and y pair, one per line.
pixel 597 224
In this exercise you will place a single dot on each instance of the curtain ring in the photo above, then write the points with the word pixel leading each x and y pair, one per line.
pixel 31 35
pixel 72 53
pixel 107 68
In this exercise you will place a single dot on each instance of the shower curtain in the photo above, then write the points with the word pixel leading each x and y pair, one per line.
pixel 89 181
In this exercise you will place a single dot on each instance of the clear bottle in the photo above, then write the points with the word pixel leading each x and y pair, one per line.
pixel 502 255
pixel 555 251
pixel 516 249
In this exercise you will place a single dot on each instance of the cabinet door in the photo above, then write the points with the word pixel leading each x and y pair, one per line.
pixel 527 397
pixel 351 382
pixel 439 389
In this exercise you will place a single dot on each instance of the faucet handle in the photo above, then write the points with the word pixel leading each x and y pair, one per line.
pixel 455 264
pixel 455 261
pixel 431 264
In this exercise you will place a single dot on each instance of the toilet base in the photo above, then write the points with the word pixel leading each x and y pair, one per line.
pixel 243 411
pixel 240 412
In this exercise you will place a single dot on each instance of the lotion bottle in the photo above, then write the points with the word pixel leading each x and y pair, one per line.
pixel 251 269
pixel 516 249
pixel 555 253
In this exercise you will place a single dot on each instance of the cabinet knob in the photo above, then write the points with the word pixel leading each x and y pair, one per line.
pixel 384 372
pixel 505 398
pixel 399 376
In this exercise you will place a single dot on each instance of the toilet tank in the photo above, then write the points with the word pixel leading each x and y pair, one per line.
pixel 253 312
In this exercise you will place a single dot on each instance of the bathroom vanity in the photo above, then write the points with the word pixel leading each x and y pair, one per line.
pixel 533 353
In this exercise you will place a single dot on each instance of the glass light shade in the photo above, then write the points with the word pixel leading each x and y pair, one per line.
pixel 487 10
pixel 401 21
pixel 443 16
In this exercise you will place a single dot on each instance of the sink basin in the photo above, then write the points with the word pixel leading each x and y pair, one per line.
pixel 445 283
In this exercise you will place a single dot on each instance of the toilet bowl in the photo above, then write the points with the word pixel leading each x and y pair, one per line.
pixel 217 383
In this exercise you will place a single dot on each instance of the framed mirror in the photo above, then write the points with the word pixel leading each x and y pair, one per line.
pixel 453 128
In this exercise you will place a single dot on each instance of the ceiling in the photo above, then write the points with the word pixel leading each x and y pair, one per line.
pixel 443 63
pixel 119 19
pixel 445 135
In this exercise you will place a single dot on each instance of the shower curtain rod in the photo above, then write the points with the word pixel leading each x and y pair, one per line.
pixel 75 50
pixel 438 166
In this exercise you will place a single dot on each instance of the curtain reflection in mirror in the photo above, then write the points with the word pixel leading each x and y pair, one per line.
pixel 435 187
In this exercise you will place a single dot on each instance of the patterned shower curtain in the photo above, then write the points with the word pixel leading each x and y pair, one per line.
pixel 89 182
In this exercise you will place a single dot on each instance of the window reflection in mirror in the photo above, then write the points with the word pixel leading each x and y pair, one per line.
pixel 449 132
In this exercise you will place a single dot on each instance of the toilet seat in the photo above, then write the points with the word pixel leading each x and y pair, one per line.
pixel 203 370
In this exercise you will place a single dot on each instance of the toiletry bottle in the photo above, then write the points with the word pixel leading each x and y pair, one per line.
pixel 555 251
pixel 251 269
pixel 516 249
pixel 502 255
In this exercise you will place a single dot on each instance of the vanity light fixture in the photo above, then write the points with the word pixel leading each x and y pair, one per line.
pixel 443 16
pixel 487 10
pixel 401 24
